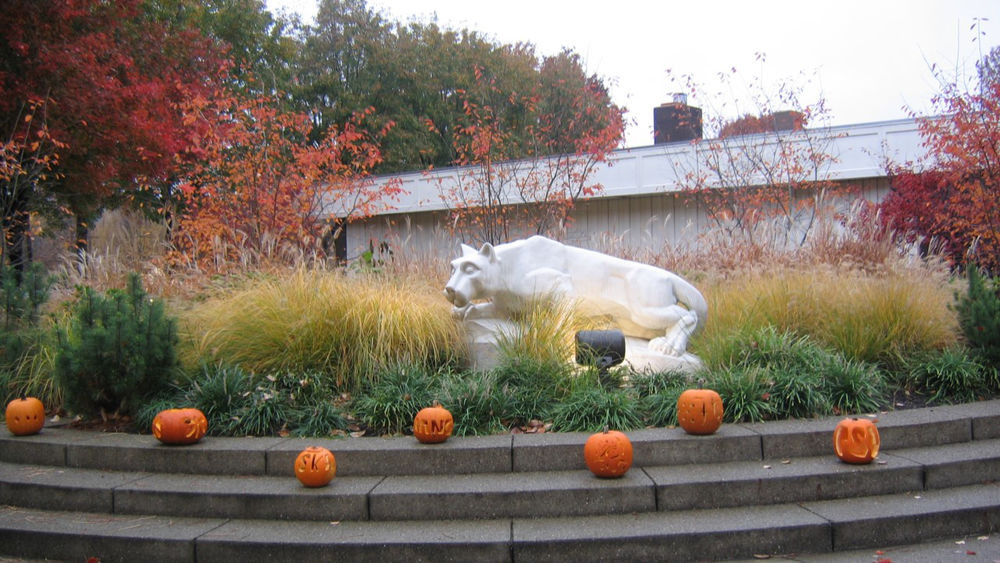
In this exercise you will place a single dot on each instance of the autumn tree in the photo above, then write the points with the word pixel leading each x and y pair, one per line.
pixel 525 160
pixel 260 185
pixel 110 76
pixel 954 198
pixel 764 177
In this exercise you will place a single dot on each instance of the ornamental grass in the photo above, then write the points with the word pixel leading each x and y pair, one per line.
pixel 344 326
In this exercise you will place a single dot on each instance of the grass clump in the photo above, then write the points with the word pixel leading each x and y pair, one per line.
pixel 388 403
pixel 592 409
pixel 950 376
pixel 346 328
pixel 871 317
pixel 238 403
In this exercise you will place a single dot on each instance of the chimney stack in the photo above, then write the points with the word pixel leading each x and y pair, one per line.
pixel 676 121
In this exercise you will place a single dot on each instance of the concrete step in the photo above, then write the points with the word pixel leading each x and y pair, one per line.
pixel 490 454
pixel 499 495
pixel 751 489
pixel 686 535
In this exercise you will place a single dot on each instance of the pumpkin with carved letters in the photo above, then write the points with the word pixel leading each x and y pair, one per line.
pixel 315 466
pixel 699 411
pixel 433 425
pixel 608 453
pixel 25 416
pixel 856 440
pixel 180 426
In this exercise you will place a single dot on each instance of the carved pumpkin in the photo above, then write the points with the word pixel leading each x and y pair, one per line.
pixel 608 453
pixel 433 425
pixel 856 440
pixel 180 426
pixel 315 466
pixel 699 411
pixel 25 416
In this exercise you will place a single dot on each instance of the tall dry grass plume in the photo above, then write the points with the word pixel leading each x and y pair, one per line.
pixel 347 327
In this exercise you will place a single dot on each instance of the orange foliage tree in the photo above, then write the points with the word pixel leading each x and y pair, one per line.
pixel 254 183
pixel 956 201
pixel 764 179
pixel 526 159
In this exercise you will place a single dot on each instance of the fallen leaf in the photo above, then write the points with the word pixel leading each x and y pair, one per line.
pixel 357 434
pixel 761 556
pixel 786 461
pixel 970 552
pixel 960 542
pixel 767 467
pixel 983 538
pixel 881 462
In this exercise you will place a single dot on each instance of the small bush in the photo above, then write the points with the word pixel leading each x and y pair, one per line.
pixel 25 345
pixel 475 402
pixel 950 376
pixel 593 409
pixel 531 387
pixel 389 404
pixel 853 387
pixel 237 403
pixel 979 316
pixel 745 393
pixel 116 350
pixel 660 408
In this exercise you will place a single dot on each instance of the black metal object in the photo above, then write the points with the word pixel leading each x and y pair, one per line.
pixel 600 348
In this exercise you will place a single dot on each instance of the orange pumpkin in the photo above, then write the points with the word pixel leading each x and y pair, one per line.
pixel 699 411
pixel 180 426
pixel 856 440
pixel 315 466
pixel 433 425
pixel 608 453
pixel 25 416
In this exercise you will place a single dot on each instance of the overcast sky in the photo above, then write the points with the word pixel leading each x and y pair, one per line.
pixel 870 60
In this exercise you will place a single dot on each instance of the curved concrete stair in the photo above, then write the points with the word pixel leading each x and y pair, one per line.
pixel 749 489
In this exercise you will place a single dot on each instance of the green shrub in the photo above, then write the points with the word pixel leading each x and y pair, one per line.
pixel 116 349
pixel 979 315
pixel 237 403
pixel 531 387
pixel 745 393
pixel 853 387
pixel 592 409
pixel 949 376
pixel 475 402
pixel 660 408
pixel 389 403
pixel 798 393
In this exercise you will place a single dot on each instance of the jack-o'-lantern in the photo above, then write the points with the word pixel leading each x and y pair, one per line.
pixel 25 416
pixel 180 426
pixel 699 411
pixel 315 466
pixel 856 440
pixel 608 453
pixel 433 425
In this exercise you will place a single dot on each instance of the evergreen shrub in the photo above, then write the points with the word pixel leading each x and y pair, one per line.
pixel 115 350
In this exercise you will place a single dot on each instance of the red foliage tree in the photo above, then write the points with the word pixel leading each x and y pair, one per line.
pixel 113 75
pixel 957 201
pixel 259 185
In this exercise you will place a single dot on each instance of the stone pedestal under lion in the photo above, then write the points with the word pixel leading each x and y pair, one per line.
pixel 656 309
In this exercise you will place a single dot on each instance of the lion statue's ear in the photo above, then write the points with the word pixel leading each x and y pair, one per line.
pixel 467 250
pixel 488 251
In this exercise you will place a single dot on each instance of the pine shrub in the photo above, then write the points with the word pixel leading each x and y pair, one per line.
pixel 979 315
pixel 116 349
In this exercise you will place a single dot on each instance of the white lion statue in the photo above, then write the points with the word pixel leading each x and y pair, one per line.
pixel 657 309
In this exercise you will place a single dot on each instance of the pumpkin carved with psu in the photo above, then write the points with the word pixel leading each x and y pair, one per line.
pixel 856 440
